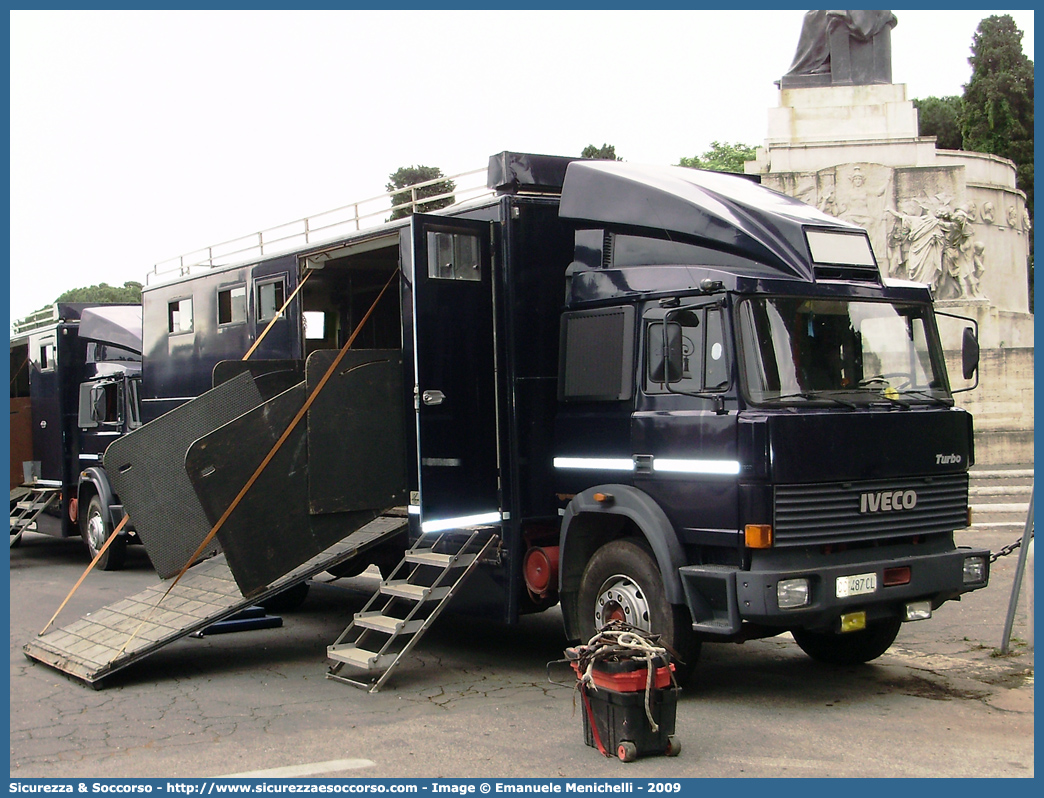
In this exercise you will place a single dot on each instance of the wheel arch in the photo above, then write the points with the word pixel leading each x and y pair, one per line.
pixel 588 524
pixel 94 481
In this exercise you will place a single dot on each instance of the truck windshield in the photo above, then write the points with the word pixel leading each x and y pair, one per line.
pixel 797 349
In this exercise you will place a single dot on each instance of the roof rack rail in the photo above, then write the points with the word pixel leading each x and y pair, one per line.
pixel 35 320
pixel 317 229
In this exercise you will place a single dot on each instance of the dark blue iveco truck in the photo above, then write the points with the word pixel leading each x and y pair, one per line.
pixel 75 374
pixel 678 399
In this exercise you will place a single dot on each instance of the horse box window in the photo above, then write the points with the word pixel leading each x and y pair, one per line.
pixel 179 316
pixel 48 360
pixel 453 256
pixel 270 298
pixel 597 360
pixel 232 305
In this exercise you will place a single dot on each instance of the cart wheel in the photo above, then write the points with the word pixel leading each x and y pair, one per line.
pixel 673 746
pixel 627 751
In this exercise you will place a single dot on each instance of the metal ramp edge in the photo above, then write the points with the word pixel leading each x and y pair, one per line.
pixel 89 649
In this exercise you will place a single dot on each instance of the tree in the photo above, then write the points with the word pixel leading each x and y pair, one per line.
pixel 103 292
pixel 998 100
pixel 407 176
pixel 941 117
pixel 607 152
pixel 721 157
pixel 998 104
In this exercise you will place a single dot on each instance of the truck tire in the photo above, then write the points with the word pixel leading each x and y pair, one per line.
pixel 95 531
pixel 849 648
pixel 622 582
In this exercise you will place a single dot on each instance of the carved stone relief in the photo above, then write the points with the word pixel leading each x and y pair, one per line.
pixel 919 228
pixel 931 242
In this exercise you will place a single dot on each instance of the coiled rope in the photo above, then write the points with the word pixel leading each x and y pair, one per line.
pixel 619 642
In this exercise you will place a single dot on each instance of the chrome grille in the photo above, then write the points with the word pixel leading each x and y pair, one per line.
pixel 831 513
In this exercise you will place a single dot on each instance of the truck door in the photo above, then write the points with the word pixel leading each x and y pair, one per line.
pixel 457 450
pixel 45 393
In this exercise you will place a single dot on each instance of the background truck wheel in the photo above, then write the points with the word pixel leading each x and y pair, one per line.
pixel 622 582
pixel 850 648
pixel 288 600
pixel 95 531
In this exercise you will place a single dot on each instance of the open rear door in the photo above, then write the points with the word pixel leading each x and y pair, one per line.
pixel 453 345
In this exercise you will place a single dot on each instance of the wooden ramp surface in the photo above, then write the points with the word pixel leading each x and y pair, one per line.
pixel 90 649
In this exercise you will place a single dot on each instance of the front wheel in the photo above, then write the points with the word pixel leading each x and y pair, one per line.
pixel 849 648
pixel 622 582
pixel 95 531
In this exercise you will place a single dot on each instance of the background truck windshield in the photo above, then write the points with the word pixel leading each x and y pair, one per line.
pixel 801 349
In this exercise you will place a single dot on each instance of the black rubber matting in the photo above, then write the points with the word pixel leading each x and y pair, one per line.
pixel 271 531
pixel 147 470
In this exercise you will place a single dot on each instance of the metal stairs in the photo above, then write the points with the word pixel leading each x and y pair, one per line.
pixel 407 603
pixel 27 502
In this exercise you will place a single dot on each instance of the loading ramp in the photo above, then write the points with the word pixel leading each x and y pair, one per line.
pixel 96 646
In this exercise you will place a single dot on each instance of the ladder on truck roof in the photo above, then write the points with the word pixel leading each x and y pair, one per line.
pixel 27 502
pixel 110 639
pixel 407 603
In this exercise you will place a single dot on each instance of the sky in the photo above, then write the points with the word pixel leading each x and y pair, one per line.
pixel 137 136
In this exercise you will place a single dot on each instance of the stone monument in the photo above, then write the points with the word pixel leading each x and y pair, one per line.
pixel 845 139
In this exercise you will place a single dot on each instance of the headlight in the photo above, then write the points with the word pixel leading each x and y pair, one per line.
pixel 792 593
pixel 974 570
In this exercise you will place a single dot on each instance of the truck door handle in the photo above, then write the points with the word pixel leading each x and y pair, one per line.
pixel 433 397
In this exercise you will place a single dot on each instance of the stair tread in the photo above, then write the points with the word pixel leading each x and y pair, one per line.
pixel 351 654
pixel 404 589
pixel 386 623
pixel 439 559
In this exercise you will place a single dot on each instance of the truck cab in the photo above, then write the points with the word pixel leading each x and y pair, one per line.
pixel 76 376
pixel 755 433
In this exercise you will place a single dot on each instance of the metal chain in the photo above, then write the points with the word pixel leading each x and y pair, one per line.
pixel 1004 552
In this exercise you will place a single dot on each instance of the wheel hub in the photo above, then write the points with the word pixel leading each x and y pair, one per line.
pixel 96 531
pixel 621 599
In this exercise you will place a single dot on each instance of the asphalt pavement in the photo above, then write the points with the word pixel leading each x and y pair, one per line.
pixel 474 699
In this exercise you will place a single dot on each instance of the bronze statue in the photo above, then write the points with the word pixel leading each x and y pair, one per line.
pixel 842 48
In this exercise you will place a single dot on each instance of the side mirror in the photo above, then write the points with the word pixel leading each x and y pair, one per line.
pixel 86 417
pixel 98 397
pixel 969 353
pixel 665 353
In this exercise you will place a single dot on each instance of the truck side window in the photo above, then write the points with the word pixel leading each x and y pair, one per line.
pixel 716 373
pixel 695 353
pixel 453 256
pixel 179 316
pixel 597 355
pixel 232 305
pixel 270 298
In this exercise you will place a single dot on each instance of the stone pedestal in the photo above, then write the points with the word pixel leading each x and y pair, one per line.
pixel 948 218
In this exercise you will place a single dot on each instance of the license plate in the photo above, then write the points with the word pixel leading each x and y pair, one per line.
pixel 856 585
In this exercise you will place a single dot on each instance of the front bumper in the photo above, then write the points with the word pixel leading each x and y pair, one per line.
pixel 750 596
